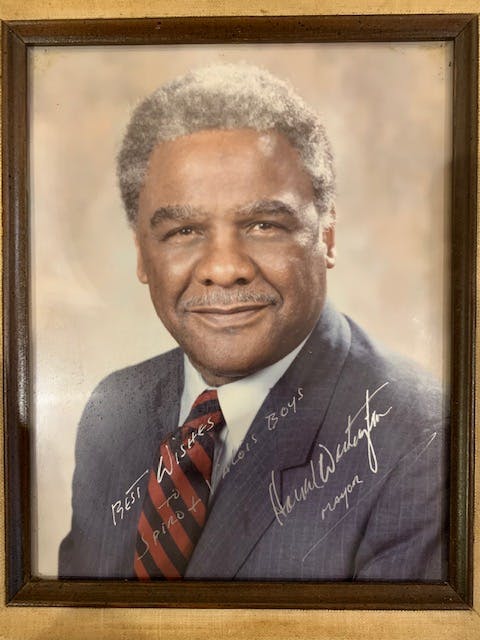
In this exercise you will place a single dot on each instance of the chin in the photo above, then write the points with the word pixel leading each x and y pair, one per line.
pixel 233 368
pixel 227 369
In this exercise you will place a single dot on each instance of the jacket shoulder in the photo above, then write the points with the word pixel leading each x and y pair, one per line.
pixel 146 373
pixel 127 397
pixel 413 389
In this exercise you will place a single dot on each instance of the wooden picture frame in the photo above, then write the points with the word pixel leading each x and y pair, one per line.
pixel 17 37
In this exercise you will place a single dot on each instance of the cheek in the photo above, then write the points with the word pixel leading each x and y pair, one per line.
pixel 166 273
pixel 162 285
pixel 295 273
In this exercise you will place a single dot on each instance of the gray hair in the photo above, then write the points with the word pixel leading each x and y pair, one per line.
pixel 225 96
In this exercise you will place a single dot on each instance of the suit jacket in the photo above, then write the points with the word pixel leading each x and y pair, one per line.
pixel 342 474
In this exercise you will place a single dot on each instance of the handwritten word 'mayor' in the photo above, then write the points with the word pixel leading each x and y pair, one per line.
pixel 310 483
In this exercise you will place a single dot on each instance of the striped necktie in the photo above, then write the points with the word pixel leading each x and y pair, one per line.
pixel 175 506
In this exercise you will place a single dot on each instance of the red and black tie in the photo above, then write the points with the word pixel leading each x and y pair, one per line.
pixel 175 506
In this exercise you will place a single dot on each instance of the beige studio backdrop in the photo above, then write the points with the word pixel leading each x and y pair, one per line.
pixel 387 109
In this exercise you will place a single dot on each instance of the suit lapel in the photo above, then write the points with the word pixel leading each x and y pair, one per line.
pixel 165 408
pixel 280 437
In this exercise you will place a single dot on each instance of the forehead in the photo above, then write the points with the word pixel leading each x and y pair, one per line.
pixel 225 168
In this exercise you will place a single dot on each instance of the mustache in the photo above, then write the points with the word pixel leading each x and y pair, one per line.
pixel 229 298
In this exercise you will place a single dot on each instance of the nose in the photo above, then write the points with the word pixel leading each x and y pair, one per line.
pixel 225 263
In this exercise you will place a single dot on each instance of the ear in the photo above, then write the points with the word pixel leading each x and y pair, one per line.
pixel 141 271
pixel 329 240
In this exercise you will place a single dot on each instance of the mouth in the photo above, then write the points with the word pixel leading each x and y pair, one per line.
pixel 230 316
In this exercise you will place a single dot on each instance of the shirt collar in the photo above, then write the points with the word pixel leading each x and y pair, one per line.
pixel 239 400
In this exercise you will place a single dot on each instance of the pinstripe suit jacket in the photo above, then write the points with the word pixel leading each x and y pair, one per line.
pixel 342 474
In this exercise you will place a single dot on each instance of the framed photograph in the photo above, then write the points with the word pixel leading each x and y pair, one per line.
pixel 282 417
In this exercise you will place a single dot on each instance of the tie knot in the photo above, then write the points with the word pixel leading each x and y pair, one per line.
pixel 205 413
pixel 205 398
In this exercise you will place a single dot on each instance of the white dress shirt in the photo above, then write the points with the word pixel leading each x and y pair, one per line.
pixel 239 401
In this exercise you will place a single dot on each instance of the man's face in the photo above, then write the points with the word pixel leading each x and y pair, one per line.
pixel 231 247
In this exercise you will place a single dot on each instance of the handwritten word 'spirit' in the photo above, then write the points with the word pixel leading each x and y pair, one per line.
pixel 291 407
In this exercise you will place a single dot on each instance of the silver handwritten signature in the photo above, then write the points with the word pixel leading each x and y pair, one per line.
pixel 323 468
pixel 372 419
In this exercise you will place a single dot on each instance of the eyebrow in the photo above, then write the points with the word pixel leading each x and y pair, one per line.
pixel 179 212
pixel 176 212
pixel 272 207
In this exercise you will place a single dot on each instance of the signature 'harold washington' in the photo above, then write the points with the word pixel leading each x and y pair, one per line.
pixel 319 474
pixel 372 419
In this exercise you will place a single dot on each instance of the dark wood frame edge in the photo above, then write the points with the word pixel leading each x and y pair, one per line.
pixel 16 334
pixel 312 28
pixel 21 588
pixel 463 306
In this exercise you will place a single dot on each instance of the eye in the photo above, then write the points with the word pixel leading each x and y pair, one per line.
pixel 180 232
pixel 265 227
pixel 185 231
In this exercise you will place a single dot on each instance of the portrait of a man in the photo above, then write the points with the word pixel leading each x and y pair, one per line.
pixel 278 441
